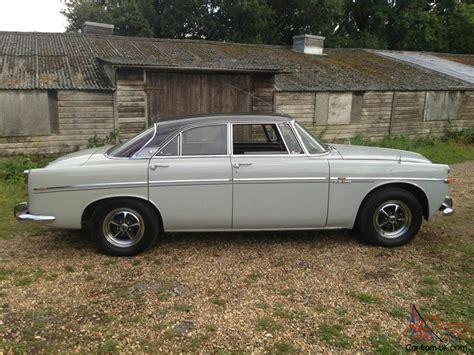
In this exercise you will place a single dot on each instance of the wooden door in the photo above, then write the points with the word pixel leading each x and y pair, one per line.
pixel 177 94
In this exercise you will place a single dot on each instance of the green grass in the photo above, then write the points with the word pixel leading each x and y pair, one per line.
pixel 365 297
pixel 268 325
pixel 383 344
pixel 454 147
pixel 181 307
pixel 332 334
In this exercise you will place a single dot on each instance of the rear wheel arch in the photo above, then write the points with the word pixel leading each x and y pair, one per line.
pixel 415 190
pixel 89 210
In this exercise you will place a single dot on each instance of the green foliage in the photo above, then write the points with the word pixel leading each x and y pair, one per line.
pixel 454 147
pixel 12 169
pixel 429 25
pixel 96 141
pixel 130 18
pixel 332 334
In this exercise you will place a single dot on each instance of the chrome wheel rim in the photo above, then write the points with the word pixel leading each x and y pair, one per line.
pixel 392 219
pixel 123 227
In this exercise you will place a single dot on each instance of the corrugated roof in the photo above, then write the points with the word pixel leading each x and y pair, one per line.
pixel 34 60
pixel 445 66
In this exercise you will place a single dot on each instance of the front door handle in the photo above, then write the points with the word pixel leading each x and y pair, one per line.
pixel 154 167
pixel 238 165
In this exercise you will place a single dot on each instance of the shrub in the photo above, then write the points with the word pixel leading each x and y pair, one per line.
pixel 96 141
pixel 12 169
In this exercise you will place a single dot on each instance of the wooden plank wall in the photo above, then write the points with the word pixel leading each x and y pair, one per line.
pixel 263 93
pixel 130 103
pixel 373 114
pixel 81 115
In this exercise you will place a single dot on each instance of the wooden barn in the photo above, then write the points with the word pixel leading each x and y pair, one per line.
pixel 59 89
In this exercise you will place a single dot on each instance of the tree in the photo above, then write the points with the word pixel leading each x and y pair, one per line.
pixel 128 17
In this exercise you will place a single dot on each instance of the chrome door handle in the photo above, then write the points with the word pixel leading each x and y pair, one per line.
pixel 238 165
pixel 154 167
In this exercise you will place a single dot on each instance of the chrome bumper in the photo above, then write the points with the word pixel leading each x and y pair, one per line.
pixel 446 207
pixel 21 213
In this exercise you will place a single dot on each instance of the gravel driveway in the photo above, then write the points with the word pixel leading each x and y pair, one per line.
pixel 277 292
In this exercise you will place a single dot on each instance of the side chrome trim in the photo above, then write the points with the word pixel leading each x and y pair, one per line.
pixel 373 179
pixel 190 182
pixel 280 180
pixel 98 186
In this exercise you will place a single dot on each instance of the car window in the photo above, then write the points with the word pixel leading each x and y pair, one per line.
pixel 171 149
pixel 311 143
pixel 290 139
pixel 259 139
pixel 207 140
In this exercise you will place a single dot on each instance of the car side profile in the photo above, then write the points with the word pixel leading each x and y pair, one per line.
pixel 234 172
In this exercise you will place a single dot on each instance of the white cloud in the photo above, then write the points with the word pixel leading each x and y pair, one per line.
pixel 32 15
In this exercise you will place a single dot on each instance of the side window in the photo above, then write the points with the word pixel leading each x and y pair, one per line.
pixel 290 139
pixel 171 149
pixel 207 140
pixel 254 139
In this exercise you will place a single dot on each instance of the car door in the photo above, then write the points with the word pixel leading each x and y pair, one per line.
pixel 190 180
pixel 276 185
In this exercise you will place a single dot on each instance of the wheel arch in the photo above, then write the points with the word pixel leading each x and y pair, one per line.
pixel 89 210
pixel 414 189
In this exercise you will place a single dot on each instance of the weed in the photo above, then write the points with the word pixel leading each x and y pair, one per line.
pixel 268 325
pixel 262 305
pixel 24 281
pixel 383 344
pixel 109 346
pixel 181 307
pixel 218 301
pixel 365 297
pixel 69 268
pixel 332 334
pixel 282 347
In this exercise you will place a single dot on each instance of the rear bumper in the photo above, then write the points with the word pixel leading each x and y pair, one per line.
pixel 21 213
pixel 446 207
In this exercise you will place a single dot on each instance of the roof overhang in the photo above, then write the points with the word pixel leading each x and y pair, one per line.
pixel 181 67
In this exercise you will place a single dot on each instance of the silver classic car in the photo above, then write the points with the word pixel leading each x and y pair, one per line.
pixel 243 172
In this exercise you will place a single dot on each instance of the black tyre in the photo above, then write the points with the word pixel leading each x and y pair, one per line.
pixel 389 217
pixel 124 227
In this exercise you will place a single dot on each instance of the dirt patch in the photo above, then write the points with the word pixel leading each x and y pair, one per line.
pixel 295 291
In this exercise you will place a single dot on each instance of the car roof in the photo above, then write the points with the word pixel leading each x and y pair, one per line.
pixel 183 121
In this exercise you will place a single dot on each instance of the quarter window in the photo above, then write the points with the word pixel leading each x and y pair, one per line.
pixel 171 149
pixel 252 139
pixel 290 139
pixel 208 140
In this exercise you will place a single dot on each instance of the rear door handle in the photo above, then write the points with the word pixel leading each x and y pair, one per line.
pixel 238 165
pixel 154 167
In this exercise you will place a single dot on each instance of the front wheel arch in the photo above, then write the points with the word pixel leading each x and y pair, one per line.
pixel 89 210
pixel 413 189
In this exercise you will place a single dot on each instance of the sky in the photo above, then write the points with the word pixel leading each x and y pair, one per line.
pixel 32 15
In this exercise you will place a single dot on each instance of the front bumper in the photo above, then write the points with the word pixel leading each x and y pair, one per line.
pixel 446 207
pixel 21 213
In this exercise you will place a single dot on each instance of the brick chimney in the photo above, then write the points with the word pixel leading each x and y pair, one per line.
pixel 308 44
pixel 97 28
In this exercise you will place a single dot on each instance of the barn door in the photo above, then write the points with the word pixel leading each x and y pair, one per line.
pixel 177 94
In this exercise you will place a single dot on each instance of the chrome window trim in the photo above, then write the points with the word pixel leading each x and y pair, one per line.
pixel 283 139
pixel 303 152
pixel 257 155
pixel 325 151
pixel 134 156
pixel 180 134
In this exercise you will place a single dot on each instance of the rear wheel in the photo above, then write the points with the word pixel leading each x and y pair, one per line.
pixel 124 227
pixel 390 217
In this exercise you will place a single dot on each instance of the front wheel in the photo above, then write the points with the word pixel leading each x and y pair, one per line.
pixel 390 217
pixel 124 227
